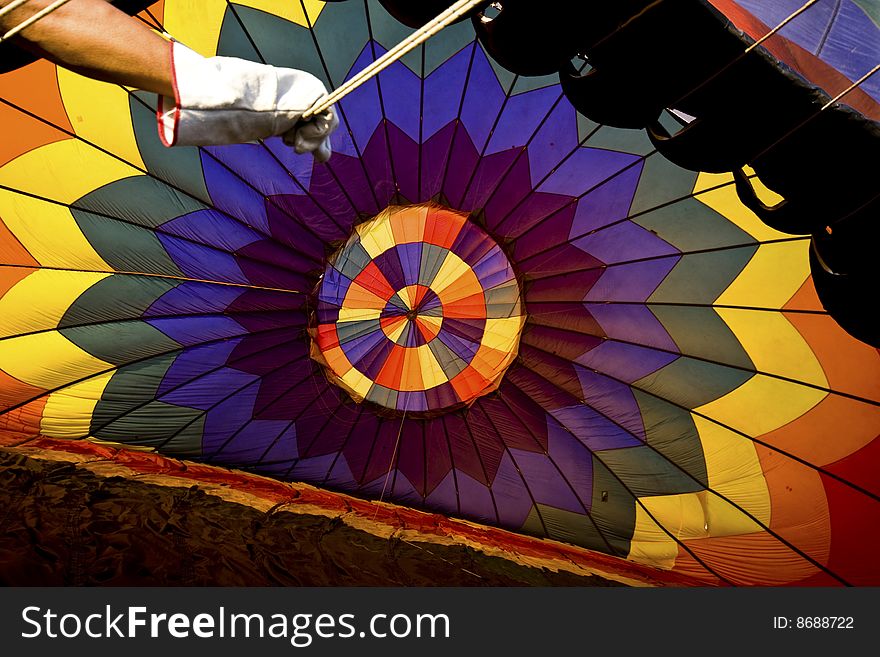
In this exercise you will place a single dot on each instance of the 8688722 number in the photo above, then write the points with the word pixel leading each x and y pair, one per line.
pixel 824 622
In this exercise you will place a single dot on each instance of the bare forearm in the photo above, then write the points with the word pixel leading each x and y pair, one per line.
pixel 94 38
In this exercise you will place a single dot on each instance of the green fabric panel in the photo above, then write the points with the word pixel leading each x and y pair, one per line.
pixel 114 299
pixel 691 383
pixel 388 32
pixel 702 277
pixel 671 431
pixel 125 199
pixel 505 78
pixel 644 471
pixel 455 37
pixel 613 508
pixel 341 32
pixel 280 42
pixel 348 331
pixel 120 342
pixel 382 396
pixel 129 387
pixel 701 333
pixel 620 139
pixel 353 261
pixel 871 9
pixel 531 82
pixel 451 362
pixel 125 247
pixel 154 424
pixel 432 259
pixel 502 301
pixel 690 225
pixel 661 181
pixel 180 166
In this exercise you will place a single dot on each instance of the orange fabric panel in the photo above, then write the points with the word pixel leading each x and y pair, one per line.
pixel 9 276
pixel 374 280
pixel 34 88
pixel 445 227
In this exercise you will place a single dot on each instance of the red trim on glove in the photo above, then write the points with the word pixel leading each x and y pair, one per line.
pixel 161 111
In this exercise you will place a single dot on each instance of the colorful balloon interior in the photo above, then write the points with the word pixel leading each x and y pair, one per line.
pixel 485 305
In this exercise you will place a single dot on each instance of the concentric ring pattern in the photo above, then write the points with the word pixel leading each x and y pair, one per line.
pixel 678 396
pixel 419 311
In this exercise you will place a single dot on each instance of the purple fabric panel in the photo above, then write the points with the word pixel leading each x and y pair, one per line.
pixel 377 159
pixel 593 430
pixel 231 195
pixel 622 242
pixel 483 100
pixel 555 139
pixel 190 331
pixel 212 228
pixel 476 501
pixel 351 174
pixel 194 362
pixel 444 496
pixel 361 106
pixel 521 117
pixel 632 324
pixel 635 281
pixel 210 388
pixel 410 257
pixel 260 167
pixel 443 91
pixel 546 484
pixel 612 399
pixel 626 362
pixel 202 262
pixel 463 160
pixel 573 460
pixel 188 298
pixel 405 152
pixel 607 203
pixel 277 439
pixel 435 155
pixel 511 496
pixel 488 175
pixel 401 93
pixel 585 169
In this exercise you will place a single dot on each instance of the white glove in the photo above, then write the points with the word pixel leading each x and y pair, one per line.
pixel 226 100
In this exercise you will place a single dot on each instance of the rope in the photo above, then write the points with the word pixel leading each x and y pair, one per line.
pixel 15 4
pixel 33 19
pixel 414 40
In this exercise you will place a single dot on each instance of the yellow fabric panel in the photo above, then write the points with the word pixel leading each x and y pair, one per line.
pixel 432 373
pixel 56 290
pixel 377 236
pixel 395 332
pixel 735 472
pixel 435 322
pixel 771 278
pixel 49 233
pixel 68 412
pixel 502 334
pixel 683 516
pixel 47 360
pixel 46 171
pixel 762 404
pixel 196 23
pixel 101 113
pixel 357 382
pixel 726 202
pixel 451 271
pixel 774 345
pixel 358 314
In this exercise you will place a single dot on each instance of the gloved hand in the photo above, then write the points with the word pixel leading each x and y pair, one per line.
pixel 226 100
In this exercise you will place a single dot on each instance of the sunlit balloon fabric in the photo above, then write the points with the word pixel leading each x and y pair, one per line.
pixel 666 388
pixel 420 311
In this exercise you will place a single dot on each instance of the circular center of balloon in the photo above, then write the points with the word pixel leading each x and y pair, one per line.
pixel 419 312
